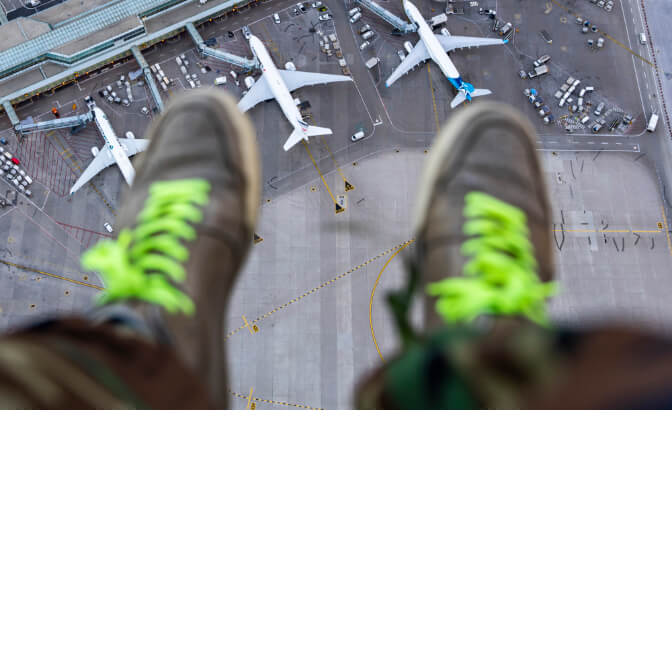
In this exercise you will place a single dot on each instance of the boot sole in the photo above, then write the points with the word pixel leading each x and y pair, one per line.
pixel 453 142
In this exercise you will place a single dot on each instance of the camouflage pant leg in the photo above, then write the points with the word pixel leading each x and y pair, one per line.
pixel 75 364
pixel 516 364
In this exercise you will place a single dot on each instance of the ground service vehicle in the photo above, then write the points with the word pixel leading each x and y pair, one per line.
pixel 368 35
pixel 276 18
pixel 653 122
pixel 642 38
pixel 541 60
pixel 357 136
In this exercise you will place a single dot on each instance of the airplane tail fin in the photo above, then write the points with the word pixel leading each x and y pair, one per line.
pixel 464 94
pixel 298 134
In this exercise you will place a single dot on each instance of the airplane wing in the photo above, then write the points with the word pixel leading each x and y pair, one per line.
pixel 133 146
pixel 418 54
pixel 295 79
pixel 101 161
pixel 259 92
pixel 457 42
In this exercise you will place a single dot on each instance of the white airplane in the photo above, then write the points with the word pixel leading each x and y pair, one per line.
pixel 435 47
pixel 276 83
pixel 115 150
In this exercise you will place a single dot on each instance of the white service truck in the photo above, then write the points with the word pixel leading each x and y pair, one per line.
pixel 653 122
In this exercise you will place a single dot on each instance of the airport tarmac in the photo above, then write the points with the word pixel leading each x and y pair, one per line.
pixel 307 286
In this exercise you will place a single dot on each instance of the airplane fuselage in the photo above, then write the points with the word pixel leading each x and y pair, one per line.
pixel 277 85
pixel 434 48
pixel 112 143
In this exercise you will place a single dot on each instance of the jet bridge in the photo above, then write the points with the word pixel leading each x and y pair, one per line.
pixel 241 62
pixel 30 126
pixel 401 25
pixel 146 71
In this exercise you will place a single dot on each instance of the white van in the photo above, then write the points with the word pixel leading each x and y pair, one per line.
pixel 653 122
pixel 642 38
pixel 357 136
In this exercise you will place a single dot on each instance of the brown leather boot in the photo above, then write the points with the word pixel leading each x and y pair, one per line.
pixel 186 226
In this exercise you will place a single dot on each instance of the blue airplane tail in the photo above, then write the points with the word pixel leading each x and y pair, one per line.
pixel 466 91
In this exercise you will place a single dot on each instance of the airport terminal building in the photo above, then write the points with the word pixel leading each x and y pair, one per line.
pixel 71 40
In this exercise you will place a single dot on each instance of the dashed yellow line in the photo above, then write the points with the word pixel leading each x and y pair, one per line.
pixel 373 291
pixel 318 288
pixel 51 275
pixel 609 37
pixel 249 398
pixel 431 88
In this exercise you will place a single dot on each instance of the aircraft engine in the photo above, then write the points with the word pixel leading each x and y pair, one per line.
pixel 94 151
pixel 129 135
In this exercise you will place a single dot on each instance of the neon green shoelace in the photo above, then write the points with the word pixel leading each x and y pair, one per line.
pixel 143 261
pixel 500 276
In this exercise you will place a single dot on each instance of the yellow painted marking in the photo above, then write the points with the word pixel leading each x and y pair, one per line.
pixel 51 275
pixel 319 287
pixel 249 399
pixel 609 37
pixel 348 185
pixel 271 401
pixel 431 87
pixel 338 208
pixel 607 231
pixel 253 328
pixel 373 291
pixel 667 231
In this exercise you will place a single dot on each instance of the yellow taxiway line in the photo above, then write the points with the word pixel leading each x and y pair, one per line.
pixel 51 275
pixel 373 291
